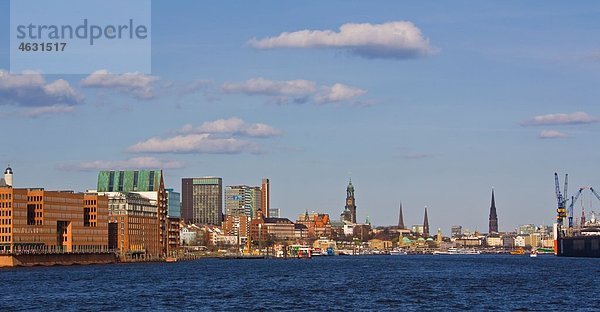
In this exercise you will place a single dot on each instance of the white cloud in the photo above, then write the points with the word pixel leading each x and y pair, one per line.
pixel 195 143
pixel 560 119
pixel 398 40
pixel 30 89
pixel 294 91
pixel 552 134
pixel 261 86
pixel 137 84
pixel 46 110
pixel 129 164
pixel 338 92
pixel 234 126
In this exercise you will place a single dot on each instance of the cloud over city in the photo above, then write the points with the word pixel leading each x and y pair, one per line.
pixel 294 91
pixel 30 89
pixel 128 164
pixel 222 136
pixel 576 118
pixel 552 134
pixel 138 85
pixel 393 40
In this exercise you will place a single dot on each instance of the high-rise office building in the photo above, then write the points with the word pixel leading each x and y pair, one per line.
pixel 202 200
pixel 265 197
pixel 493 228
pixel 242 200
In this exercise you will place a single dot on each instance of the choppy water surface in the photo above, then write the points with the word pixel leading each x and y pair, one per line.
pixel 425 283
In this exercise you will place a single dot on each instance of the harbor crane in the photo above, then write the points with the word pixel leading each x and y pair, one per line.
pixel 561 210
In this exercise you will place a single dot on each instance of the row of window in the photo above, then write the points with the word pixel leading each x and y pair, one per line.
pixel 5 221
pixel 4 230
pixel 5 204
pixel 5 196
pixel 6 213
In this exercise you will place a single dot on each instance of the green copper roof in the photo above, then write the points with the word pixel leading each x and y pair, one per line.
pixel 129 181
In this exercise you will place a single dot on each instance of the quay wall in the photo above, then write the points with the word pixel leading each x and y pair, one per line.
pixel 56 259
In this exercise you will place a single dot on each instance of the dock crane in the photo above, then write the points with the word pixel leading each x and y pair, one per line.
pixel 573 200
pixel 561 210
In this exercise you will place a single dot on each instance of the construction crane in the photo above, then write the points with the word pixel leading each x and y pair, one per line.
pixel 561 211
pixel 593 191
pixel 573 200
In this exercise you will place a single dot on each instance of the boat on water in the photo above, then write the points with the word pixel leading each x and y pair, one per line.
pixel 533 253
pixel 457 251
pixel 519 251
pixel 398 252
pixel 170 259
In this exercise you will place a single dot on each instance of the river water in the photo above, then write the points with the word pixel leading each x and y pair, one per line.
pixel 343 283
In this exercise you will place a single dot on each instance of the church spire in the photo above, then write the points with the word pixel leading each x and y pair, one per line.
pixel 493 224
pixel 401 219
pixel 426 224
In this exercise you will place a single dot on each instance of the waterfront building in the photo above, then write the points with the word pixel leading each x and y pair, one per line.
pixel 300 231
pixel 242 200
pixel 508 240
pixel 349 214
pixel 133 223
pixel 33 220
pixel 522 241
pixel 173 219
pixel 237 226
pixel 494 241
pixel 202 200
pixel 262 229
pixel 380 245
pixel 456 231
pixel 426 224
pixel 150 185
pixel 469 241
pixel 318 224
pixel 526 229
pixel 189 234
pixel 493 220
pixel 265 199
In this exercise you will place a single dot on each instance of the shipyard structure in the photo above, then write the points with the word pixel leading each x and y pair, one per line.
pixel 571 238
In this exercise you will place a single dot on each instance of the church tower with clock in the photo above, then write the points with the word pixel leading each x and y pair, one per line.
pixel 349 213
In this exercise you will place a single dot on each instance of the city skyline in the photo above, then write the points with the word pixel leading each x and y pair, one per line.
pixel 476 96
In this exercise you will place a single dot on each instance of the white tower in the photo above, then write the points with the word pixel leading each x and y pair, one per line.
pixel 8 176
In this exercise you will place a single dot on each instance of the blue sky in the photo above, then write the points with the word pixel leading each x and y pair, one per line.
pixel 437 122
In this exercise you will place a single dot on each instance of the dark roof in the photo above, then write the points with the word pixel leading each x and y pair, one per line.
pixel 300 226
pixel 277 220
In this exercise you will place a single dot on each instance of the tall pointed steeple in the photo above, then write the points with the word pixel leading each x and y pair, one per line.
pixel 493 216
pixel 425 224
pixel 401 219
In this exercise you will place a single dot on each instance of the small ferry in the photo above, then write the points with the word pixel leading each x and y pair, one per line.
pixel 457 251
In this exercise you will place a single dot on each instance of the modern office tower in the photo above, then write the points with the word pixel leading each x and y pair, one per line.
pixel 33 220
pixel 202 200
pixel 349 214
pixel 456 231
pixel 401 219
pixel 146 183
pixel 265 197
pixel 493 216
pixel 242 200
pixel 426 224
